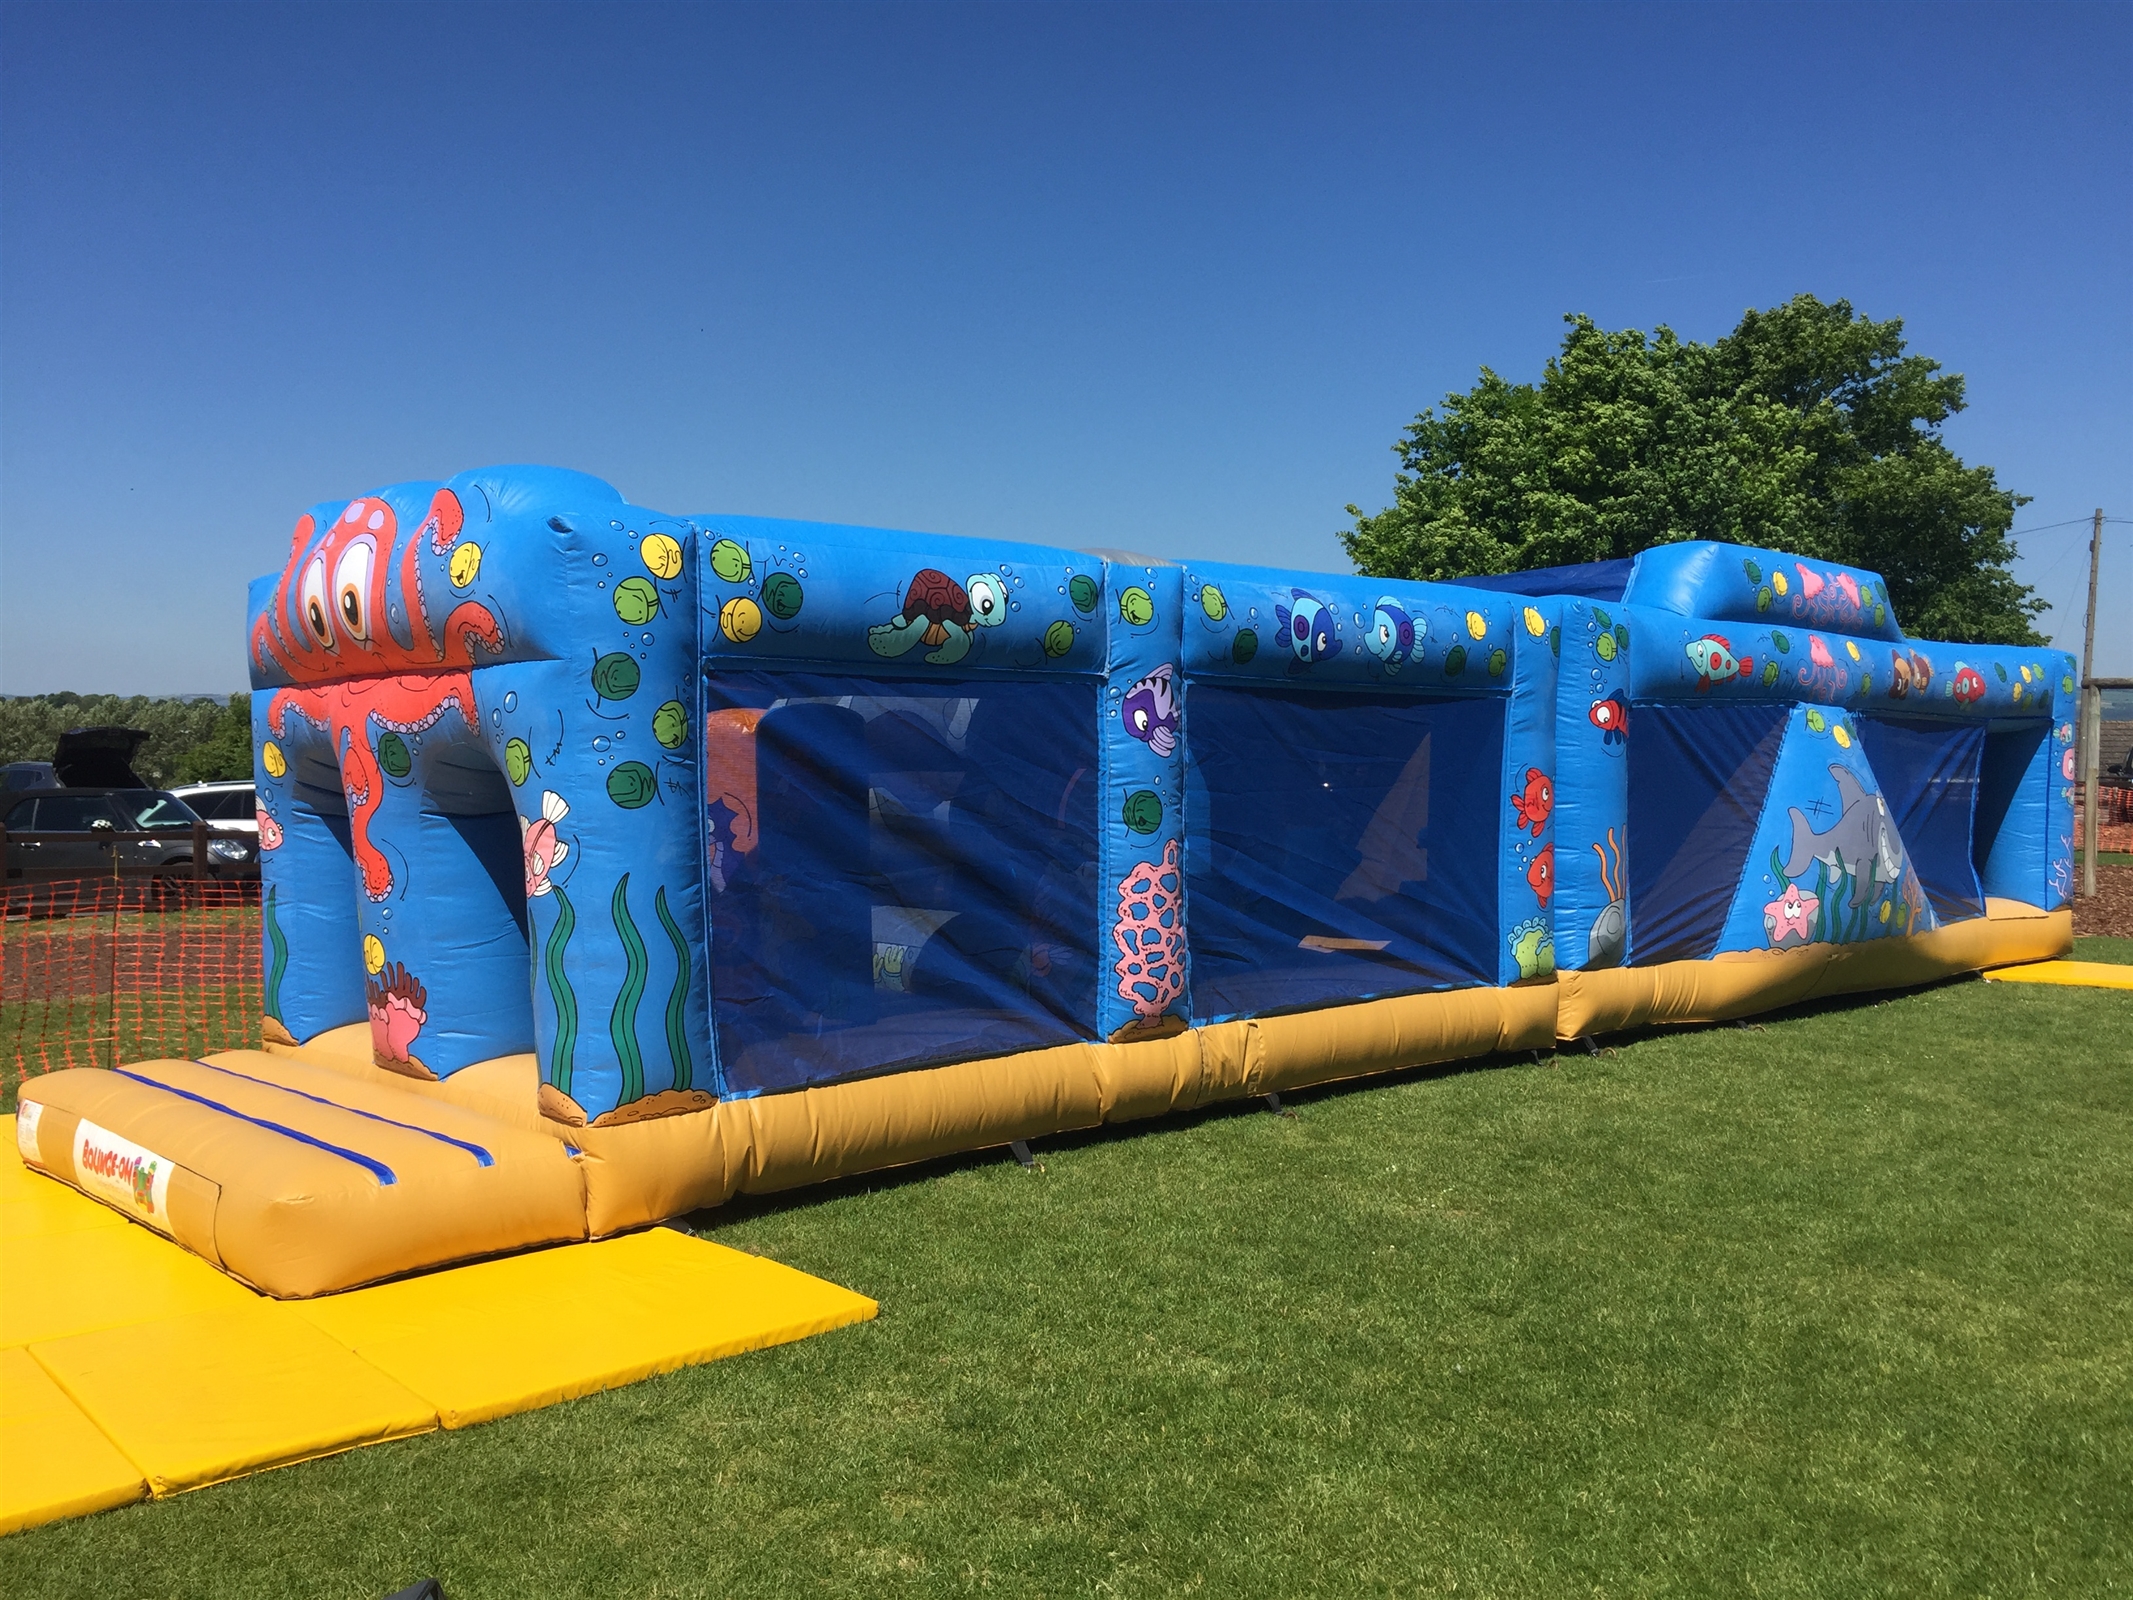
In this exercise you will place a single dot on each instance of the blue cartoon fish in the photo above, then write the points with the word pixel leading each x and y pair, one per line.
pixel 1312 630
pixel 1392 635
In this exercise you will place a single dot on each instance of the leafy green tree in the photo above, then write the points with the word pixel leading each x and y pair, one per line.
pixel 226 752
pixel 1807 428
pixel 189 741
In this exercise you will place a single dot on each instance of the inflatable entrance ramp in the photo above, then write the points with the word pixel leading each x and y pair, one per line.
pixel 130 1367
pixel 296 1178
pixel 616 862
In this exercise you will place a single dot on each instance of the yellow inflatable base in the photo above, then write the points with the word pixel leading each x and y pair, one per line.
pixel 306 1170
pixel 2080 974
pixel 130 1367
pixel 1745 983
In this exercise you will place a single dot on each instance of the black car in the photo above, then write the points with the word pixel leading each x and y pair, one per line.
pixel 28 775
pixel 72 836
pixel 70 833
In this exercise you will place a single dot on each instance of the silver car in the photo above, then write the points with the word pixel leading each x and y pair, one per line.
pixel 226 807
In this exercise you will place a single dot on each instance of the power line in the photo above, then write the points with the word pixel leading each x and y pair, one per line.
pixel 2071 522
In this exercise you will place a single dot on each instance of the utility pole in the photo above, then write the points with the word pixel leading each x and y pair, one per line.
pixel 2091 719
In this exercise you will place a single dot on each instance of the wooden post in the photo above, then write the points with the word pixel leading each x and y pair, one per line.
pixel 2091 719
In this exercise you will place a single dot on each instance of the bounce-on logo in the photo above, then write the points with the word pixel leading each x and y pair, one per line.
pixel 121 1173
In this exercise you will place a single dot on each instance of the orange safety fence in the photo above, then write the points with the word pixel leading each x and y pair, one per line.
pixel 99 971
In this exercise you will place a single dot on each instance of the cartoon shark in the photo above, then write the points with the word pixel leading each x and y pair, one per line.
pixel 1863 832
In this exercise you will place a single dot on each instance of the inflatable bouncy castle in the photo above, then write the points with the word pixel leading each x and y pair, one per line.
pixel 1768 793
pixel 616 862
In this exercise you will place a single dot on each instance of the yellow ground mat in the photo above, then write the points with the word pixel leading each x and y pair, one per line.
pixel 195 1400
pixel 130 1367
pixel 54 1462
pixel 2083 974
pixel 485 1340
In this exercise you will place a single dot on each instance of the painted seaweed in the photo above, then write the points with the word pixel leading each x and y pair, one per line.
pixel 559 989
pixel 622 1020
pixel 678 998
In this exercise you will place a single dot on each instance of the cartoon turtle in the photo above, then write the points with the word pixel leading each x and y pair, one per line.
pixel 940 612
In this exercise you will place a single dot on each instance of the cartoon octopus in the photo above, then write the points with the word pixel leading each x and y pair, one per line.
pixel 356 677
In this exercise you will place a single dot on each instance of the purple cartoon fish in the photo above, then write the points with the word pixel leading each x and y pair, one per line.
pixel 1151 711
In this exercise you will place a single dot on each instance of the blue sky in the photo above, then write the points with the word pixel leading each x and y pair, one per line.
pixel 1166 277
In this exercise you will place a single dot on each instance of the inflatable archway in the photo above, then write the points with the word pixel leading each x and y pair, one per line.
pixel 618 861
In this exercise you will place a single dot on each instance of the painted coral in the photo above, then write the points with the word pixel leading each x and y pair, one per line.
pixel 1150 933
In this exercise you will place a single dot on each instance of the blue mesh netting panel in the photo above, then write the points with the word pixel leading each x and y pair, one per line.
pixel 1929 776
pixel 1350 845
pixel 1697 778
pixel 902 873
pixel 2009 840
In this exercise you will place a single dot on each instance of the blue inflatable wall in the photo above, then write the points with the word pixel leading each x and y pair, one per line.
pixel 1752 755
pixel 699 808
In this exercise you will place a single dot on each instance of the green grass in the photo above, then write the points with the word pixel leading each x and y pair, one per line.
pixel 107 1031
pixel 2103 947
pixel 1835 1305
pixel 176 1016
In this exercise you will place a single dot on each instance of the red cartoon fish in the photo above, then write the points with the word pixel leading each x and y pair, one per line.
pixel 1540 873
pixel 1534 803
pixel 544 851
pixel 1969 686
pixel 1611 717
